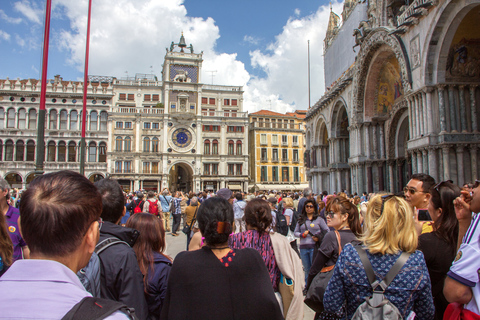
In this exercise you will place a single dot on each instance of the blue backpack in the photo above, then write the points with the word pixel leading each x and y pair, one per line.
pixel 90 275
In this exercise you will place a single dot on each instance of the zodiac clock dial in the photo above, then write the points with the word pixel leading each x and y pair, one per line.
pixel 181 137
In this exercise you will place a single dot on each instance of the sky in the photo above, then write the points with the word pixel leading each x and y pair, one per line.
pixel 260 45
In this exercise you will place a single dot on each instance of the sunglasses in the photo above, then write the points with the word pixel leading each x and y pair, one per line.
pixel 411 190
pixel 439 185
pixel 385 198
pixel 308 206
pixel 330 214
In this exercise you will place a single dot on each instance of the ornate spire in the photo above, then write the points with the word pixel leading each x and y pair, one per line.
pixel 333 25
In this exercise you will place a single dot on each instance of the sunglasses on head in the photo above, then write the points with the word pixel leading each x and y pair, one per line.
pixel 439 185
pixel 385 198
pixel 411 190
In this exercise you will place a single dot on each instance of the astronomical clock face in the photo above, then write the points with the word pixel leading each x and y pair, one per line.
pixel 181 138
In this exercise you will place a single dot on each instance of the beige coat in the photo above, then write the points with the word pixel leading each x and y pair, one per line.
pixel 291 267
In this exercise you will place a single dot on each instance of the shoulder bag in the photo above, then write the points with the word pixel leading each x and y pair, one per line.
pixel 188 228
pixel 314 297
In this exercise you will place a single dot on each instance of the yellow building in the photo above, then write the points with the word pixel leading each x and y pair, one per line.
pixel 276 149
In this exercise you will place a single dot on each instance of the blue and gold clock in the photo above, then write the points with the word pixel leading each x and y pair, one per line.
pixel 181 137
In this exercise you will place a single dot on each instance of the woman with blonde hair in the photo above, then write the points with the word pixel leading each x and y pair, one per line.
pixel 389 234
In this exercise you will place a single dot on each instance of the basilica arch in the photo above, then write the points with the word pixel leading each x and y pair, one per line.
pixel 339 148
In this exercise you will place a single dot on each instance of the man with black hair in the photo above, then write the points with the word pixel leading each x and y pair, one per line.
pixel 60 222
pixel 120 277
pixel 417 190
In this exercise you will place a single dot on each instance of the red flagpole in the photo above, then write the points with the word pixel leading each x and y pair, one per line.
pixel 40 152
pixel 85 85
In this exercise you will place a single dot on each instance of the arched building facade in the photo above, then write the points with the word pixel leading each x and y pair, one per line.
pixel 404 100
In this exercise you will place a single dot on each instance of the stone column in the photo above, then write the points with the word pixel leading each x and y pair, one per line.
pixel 441 173
pixel 381 177
pixel 419 162
pixel 421 111
pixel 417 117
pixel 425 161
pixel 375 141
pixel 409 165
pixel 428 101
pixel 400 164
pixel 414 162
pixel 473 107
pixel 446 163
pixel 361 186
pixel 460 169
pixel 382 140
pixel 463 113
pixel 473 157
pixel 453 108
pixel 441 108
pixel 411 119
pixel 367 140
pixel 432 163
pixel 391 185
pixel 369 177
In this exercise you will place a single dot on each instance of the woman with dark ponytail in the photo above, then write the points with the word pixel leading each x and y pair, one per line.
pixel 219 282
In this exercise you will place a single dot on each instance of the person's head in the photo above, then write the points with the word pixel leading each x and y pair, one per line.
pixel 321 206
pixel 4 189
pixel 150 195
pixel 60 215
pixel 226 194
pixel 215 218
pixel 475 203
pixel 112 199
pixel 417 190
pixel 309 208
pixel 307 193
pixel 140 195
pixel 356 200
pixel 194 201
pixel 341 213
pixel 239 196
pixel 272 201
pixel 151 239
pixel 389 225
pixel 442 210
pixel 342 194
pixel 258 215
pixel 288 202
pixel 165 192
pixel 6 245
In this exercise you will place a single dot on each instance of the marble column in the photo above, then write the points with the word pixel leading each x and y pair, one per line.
pixel 441 173
pixel 453 108
pixel 391 185
pixel 400 164
pixel 417 117
pixel 369 178
pixel 375 141
pixel 446 163
pixel 421 107
pixel 411 124
pixel 441 108
pixel 419 162
pixel 428 101
pixel 473 107
pixel 463 113
pixel 382 140
pixel 414 162
pixel 367 140
pixel 381 177
pixel 425 161
pixel 409 166
pixel 361 185
pixel 432 163
pixel 473 160
pixel 460 169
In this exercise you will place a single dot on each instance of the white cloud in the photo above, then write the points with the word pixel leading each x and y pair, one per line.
pixel 20 41
pixel 251 40
pixel 4 36
pixel 297 12
pixel 285 63
pixel 30 11
pixel 5 17
pixel 130 35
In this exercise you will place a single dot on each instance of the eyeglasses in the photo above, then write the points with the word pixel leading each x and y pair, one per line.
pixel 385 198
pixel 411 190
pixel 330 214
pixel 309 206
pixel 100 223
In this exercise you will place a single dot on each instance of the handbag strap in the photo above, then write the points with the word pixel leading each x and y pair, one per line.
pixel 390 275
pixel 194 216
pixel 339 239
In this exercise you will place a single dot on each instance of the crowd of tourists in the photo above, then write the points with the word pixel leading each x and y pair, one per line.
pixel 73 249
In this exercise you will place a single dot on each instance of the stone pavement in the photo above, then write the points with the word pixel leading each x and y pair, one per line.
pixel 179 244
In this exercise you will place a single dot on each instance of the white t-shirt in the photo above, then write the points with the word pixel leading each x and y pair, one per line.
pixel 466 267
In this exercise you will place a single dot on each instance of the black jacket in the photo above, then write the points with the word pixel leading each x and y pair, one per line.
pixel 121 279
pixel 157 284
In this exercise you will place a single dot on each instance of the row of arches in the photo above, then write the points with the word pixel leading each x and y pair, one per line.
pixel 55 151
pixel 55 120
pixel 234 148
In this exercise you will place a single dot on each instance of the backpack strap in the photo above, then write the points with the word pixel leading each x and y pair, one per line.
pixel 97 308
pixel 339 239
pixel 390 275
pixel 101 246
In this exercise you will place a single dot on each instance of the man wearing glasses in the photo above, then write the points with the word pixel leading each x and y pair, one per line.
pixel 463 284
pixel 417 190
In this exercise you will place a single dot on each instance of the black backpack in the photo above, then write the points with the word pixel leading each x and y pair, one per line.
pixel 97 308
pixel 281 223
pixel 293 223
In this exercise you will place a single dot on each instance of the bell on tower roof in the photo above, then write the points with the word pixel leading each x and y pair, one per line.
pixel 182 43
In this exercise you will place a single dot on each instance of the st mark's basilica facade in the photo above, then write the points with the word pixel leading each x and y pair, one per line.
pixel 402 96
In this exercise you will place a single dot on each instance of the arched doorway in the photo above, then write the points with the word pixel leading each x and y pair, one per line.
pixel 181 177
pixel 96 177
pixel 14 180
pixel 30 178
pixel 339 150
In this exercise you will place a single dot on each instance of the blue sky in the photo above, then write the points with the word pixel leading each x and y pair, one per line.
pixel 261 45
